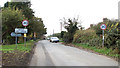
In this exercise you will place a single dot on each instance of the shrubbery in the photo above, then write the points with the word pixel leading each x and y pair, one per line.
pixel 112 41
pixel 84 36
pixel 93 36
pixel 96 42
pixel 112 33
pixel 67 38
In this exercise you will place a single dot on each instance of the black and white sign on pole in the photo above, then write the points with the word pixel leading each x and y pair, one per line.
pixel 25 23
pixel 103 27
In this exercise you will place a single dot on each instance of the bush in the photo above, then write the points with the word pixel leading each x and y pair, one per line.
pixel 67 38
pixel 62 33
pixel 84 36
pixel 96 42
pixel 11 19
pixel 112 40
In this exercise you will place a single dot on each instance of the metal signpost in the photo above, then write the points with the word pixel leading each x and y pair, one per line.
pixel 103 27
pixel 13 34
pixel 21 30
pixel 25 23
pixel 16 41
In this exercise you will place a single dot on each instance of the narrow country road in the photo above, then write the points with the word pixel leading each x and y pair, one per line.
pixel 56 54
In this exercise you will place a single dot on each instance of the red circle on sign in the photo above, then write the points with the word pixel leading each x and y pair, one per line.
pixel 24 24
pixel 102 25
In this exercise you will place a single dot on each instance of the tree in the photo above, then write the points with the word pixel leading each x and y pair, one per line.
pixel 62 33
pixel 38 27
pixel 11 19
pixel 71 25
pixel 23 6
pixel 13 15
pixel 35 24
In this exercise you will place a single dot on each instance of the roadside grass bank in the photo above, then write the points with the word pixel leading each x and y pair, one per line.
pixel 20 56
pixel 101 51
pixel 61 41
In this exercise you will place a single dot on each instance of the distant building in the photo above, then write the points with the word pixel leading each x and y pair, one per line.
pixel 91 25
pixel 105 19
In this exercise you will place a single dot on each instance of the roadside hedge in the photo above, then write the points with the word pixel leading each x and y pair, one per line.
pixel 84 36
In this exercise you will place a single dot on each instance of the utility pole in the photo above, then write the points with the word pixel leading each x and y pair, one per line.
pixel 61 26
pixel 53 32
pixel 119 10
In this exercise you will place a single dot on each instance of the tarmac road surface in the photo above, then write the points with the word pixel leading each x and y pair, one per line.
pixel 56 54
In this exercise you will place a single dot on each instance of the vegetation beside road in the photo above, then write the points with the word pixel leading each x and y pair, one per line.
pixel 13 13
pixel 93 37
pixel 103 51
pixel 20 47
pixel 20 56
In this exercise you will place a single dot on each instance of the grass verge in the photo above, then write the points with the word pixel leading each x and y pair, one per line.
pixel 104 51
pixel 20 47
pixel 20 56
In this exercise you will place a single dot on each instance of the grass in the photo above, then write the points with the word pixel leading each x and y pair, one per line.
pixel 61 41
pixel 104 51
pixel 20 47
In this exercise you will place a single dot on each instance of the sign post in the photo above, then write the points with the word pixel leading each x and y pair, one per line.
pixel 25 39
pixel 103 27
pixel 16 41
pixel 13 34
pixel 25 23
pixel 103 38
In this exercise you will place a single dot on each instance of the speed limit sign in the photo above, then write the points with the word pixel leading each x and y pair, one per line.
pixel 25 23
pixel 103 26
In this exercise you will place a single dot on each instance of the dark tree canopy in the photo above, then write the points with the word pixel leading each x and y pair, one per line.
pixel 13 13
pixel 24 6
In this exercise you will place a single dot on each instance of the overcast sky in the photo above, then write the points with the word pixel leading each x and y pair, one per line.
pixel 89 11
